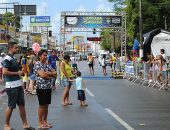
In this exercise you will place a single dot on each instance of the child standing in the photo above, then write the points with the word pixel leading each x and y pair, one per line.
pixel 80 85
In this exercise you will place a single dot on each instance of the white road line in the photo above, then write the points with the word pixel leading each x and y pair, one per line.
pixel 116 117
pixel 90 93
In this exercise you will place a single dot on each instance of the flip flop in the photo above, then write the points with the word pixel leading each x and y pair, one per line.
pixel 10 129
pixel 49 125
pixel 70 103
pixel 30 128
pixel 64 104
pixel 43 127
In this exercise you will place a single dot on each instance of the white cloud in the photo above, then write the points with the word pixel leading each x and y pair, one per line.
pixel 103 8
pixel 81 8
pixel 42 8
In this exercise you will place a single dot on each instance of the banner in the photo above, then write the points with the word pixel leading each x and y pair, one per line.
pixel 93 21
pixel 40 21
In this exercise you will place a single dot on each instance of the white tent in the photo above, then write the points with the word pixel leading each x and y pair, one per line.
pixel 161 41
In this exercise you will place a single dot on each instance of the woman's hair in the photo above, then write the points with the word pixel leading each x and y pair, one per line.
pixel 66 57
pixel 41 52
pixel 104 56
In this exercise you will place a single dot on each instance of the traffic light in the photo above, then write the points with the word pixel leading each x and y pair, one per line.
pixel 94 31
pixel 50 33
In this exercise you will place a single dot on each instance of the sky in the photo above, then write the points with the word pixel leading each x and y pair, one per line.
pixel 53 9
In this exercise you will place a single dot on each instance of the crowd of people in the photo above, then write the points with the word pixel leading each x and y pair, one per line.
pixel 156 69
pixel 36 74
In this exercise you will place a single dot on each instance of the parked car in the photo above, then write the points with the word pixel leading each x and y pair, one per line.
pixel 84 57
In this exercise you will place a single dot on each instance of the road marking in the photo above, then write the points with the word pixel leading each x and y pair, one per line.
pixel 116 117
pixel 90 93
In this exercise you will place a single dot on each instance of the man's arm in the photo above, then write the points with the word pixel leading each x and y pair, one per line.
pixel 5 71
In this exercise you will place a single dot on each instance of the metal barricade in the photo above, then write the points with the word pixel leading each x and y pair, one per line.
pixel 129 70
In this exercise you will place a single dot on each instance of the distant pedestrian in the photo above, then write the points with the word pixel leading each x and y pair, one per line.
pixel 44 75
pixel 52 60
pixel 14 89
pixel 103 63
pixel 80 86
pixel 91 62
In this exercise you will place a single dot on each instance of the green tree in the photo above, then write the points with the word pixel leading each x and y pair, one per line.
pixel 105 40
pixel 154 13
pixel 12 20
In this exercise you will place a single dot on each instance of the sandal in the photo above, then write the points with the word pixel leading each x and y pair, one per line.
pixel 85 105
pixel 69 103
pixel 30 128
pixel 49 125
pixel 43 127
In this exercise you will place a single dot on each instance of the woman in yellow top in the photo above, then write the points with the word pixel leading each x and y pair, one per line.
pixel 114 61
pixel 66 76
pixel 91 63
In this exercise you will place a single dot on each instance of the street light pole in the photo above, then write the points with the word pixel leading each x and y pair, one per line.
pixel 141 28
pixel 165 22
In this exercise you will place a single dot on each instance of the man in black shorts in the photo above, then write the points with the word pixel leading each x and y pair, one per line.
pixel 14 89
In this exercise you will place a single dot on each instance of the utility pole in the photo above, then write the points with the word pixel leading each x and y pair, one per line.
pixel 141 28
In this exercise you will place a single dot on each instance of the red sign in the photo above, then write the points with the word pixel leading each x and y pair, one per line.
pixel 94 38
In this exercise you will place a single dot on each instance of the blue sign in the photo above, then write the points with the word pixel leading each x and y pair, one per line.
pixel 40 21
pixel 93 21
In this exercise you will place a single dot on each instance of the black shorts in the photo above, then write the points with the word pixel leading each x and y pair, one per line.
pixel 44 96
pixel 15 96
pixel 81 95
pixel 91 65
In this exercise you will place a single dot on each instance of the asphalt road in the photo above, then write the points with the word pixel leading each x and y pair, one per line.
pixel 114 104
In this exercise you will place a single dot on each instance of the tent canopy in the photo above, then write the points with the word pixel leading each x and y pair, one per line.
pixel 161 41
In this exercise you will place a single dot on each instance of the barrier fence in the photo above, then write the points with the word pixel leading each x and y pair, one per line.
pixel 147 74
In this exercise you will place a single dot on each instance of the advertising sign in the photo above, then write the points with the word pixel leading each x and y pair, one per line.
pixel 25 10
pixel 94 38
pixel 40 21
pixel 93 21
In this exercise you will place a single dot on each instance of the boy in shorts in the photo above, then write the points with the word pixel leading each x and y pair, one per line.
pixel 80 86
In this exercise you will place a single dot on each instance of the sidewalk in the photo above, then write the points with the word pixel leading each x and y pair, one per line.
pixel 72 117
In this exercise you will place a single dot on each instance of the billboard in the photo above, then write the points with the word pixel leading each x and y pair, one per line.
pixel 25 10
pixel 40 21
pixel 94 38
pixel 93 21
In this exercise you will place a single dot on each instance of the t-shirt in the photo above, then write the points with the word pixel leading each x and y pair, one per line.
pixel 78 82
pixel 42 83
pixel 52 61
pixel 12 65
pixel 135 44
pixel 25 61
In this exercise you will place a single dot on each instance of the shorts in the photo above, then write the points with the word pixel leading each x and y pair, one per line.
pixel 91 65
pixel 74 66
pixel 15 96
pixel 81 95
pixel 32 77
pixel 65 82
pixel 44 96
